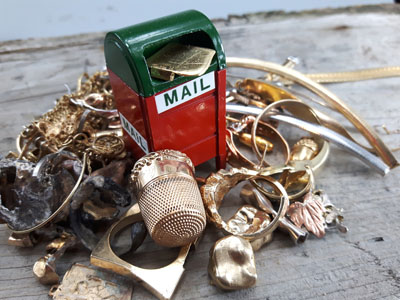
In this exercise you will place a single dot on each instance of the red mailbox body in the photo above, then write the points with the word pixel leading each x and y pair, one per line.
pixel 187 114
pixel 195 127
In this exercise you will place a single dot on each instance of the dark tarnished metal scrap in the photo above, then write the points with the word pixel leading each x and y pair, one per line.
pixel 12 172
pixel 30 194
pixel 105 186
pixel 98 202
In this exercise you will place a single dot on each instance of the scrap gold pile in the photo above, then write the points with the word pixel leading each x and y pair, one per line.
pixel 72 183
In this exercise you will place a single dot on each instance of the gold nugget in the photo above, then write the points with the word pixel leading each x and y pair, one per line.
pixel 232 265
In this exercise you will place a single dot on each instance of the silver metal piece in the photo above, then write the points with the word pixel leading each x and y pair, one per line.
pixel 321 131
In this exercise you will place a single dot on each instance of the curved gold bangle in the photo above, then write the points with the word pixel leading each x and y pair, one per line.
pixel 316 162
pixel 161 282
pixel 326 95
pixel 61 207
pixel 218 185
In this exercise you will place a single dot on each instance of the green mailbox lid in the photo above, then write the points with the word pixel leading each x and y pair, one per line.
pixel 126 49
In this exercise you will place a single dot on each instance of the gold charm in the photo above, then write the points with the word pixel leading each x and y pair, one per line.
pixel 309 214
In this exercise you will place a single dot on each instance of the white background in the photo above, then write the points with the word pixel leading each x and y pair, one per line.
pixel 21 19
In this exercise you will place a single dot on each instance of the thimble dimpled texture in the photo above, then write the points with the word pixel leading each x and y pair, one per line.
pixel 173 210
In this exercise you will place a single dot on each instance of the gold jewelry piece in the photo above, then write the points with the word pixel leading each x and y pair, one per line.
pixel 45 268
pixel 235 157
pixel 248 219
pixel 304 149
pixel 293 172
pixel 75 123
pixel 81 282
pixel 252 196
pixel 23 240
pixel 367 157
pixel 304 110
pixel 218 185
pixel 61 207
pixel 232 265
pixel 268 92
pixel 161 282
pixel 357 75
pixel 325 94
pixel 309 213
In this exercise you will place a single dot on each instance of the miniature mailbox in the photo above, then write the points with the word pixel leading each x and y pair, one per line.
pixel 185 113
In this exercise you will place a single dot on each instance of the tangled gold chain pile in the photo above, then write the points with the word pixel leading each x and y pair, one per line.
pixel 84 121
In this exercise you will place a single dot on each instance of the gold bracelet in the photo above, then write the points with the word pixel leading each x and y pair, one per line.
pixel 381 149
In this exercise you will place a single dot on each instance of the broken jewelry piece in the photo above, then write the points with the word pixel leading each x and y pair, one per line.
pixel 232 265
pixel 249 219
pixel 333 215
pixel 251 195
pixel 45 268
pixel 304 149
pixel 217 186
pixel 81 282
pixel 268 92
pixel 22 240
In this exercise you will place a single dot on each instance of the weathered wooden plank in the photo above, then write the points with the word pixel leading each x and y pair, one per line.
pixel 363 264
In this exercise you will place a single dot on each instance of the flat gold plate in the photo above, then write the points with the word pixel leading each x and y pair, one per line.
pixel 177 59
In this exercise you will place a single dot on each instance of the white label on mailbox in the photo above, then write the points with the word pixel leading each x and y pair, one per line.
pixel 185 92
pixel 134 134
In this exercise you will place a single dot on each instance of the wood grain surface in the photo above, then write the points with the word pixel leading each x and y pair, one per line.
pixel 362 264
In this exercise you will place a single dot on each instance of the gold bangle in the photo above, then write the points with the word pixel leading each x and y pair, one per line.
pixel 317 161
pixel 334 101
pixel 219 184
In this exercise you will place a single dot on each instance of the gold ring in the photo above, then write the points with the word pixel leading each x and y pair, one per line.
pixel 161 282
pixel 218 185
